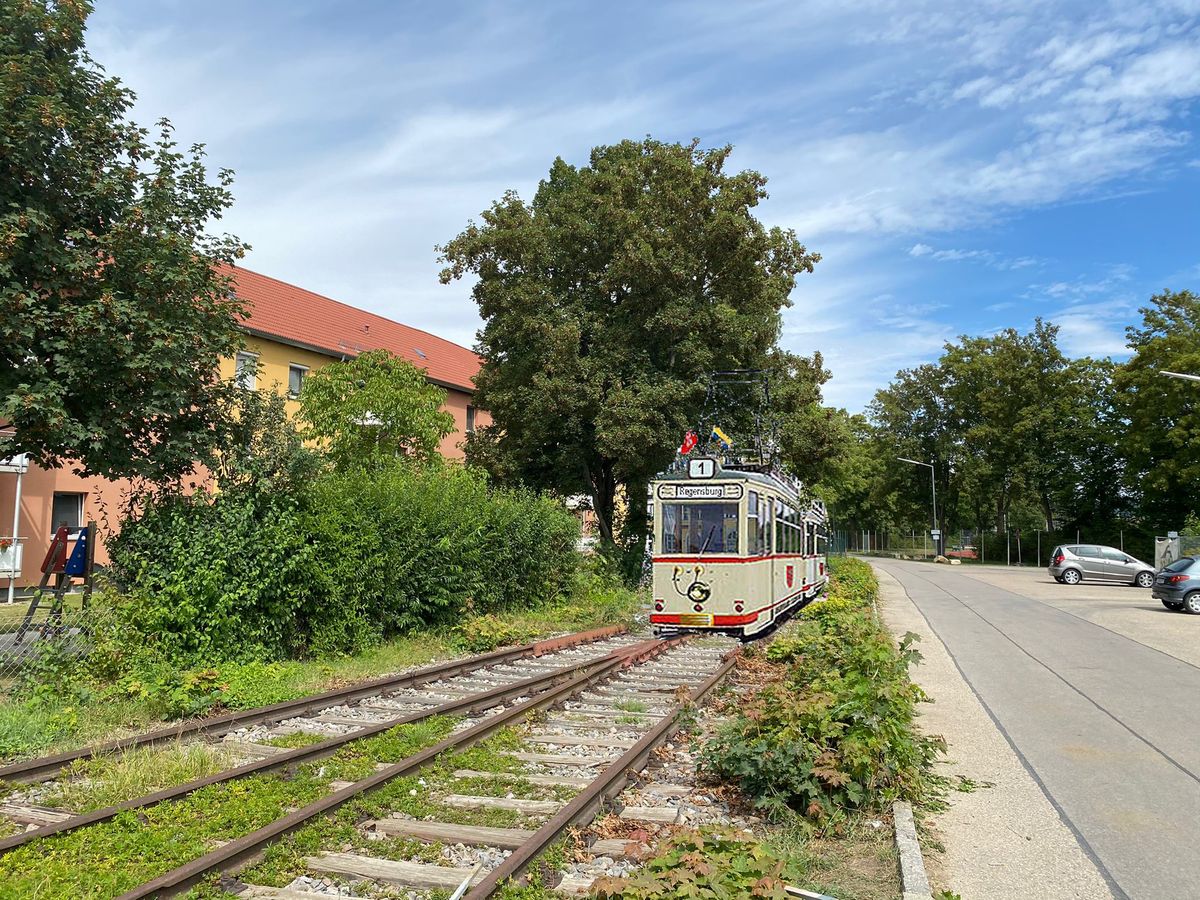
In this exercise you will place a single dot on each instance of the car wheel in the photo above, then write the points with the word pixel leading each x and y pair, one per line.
pixel 1144 579
pixel 1071 576
pixel 1173 607
pixel 1191 603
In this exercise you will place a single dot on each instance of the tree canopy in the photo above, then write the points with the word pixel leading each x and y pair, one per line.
pixel 1161 439
pixel 1023 436
pixel 606 301
pixel 114 306
pixel 373 406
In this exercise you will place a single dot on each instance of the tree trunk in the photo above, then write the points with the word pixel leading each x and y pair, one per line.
pixel 604 490
pixel 634 529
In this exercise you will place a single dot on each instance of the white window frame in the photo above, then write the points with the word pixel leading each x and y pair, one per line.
pixel 81 499
pixel 470 419
pixel 303 370
pixel 246 378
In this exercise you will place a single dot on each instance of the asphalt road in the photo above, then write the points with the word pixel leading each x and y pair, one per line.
pixel 1096 688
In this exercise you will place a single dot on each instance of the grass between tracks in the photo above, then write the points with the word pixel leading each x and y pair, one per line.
pixel 107 859
pixel 416 796
pixel 48 718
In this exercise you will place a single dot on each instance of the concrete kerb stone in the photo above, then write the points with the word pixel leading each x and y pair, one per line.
pixel 914 883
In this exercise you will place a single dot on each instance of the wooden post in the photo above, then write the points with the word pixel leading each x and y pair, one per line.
pixel 91 564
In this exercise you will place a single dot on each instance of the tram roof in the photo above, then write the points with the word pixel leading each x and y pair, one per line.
pixel 724 474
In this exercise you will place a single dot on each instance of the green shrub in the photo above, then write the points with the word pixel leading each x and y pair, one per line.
pixel 483 633
pixel 351 558
pixel 401 548
pixel 837 731
pixel 706 863
pixel 215 577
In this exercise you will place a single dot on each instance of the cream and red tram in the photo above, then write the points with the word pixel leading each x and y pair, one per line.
pixel 735 549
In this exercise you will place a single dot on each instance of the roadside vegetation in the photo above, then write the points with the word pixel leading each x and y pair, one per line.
pixel 821 749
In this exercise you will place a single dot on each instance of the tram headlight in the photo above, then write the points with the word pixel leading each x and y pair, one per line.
pixel 658 604
pixel 698 592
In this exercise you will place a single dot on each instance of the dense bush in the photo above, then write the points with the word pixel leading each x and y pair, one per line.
pixel 400 548
pixel 837 731
pixel 215 577
pixel 257 572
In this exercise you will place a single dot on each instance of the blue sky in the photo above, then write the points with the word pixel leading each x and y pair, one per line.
pixel 961 167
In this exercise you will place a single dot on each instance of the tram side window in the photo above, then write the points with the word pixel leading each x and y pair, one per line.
pixel 699 528
pixel 790 530
pixel 782 529
pixel 764 526
pixel 755 533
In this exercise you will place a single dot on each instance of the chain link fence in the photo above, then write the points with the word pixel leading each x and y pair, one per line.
pixel 1014 547
pixel 39 645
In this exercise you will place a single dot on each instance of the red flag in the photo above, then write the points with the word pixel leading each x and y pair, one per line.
pixel 689 443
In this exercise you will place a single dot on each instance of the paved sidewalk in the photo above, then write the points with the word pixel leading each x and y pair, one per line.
pixel 1003 841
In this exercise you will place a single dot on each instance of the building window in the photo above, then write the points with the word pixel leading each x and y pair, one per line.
pixel 67 509
pixel 245 370
pixel 470 419
pixel 296 379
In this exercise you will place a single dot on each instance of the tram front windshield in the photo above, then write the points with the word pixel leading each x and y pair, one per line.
pixel 699 528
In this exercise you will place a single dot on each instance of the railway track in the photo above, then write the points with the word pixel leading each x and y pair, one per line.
pixel 605 721
pixel 584 729
pixel 340 717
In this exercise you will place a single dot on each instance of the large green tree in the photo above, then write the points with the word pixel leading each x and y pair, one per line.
pixel 1017 432
pixel 1161 437
pixel 114 306
pixel 606 301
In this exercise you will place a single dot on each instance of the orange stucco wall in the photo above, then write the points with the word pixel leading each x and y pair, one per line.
pixel 101 503
pixel 102 498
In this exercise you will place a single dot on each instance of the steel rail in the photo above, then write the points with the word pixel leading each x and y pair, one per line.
pixel 471 703
pixel 248 847
pixel 41 768
pixel 586 803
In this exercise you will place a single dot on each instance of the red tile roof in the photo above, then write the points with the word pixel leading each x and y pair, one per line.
pixel 280 310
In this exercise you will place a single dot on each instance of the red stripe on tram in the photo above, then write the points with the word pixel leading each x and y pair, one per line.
pixel 729 559
pixel 743 619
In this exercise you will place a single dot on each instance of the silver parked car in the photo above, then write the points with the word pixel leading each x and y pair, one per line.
pixel 1072 563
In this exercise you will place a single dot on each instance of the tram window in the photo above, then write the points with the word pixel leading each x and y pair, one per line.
pixel 700 528
pixel 764 527
pixel 755 534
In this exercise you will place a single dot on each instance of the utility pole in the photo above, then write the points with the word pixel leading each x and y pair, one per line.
pixel 937 535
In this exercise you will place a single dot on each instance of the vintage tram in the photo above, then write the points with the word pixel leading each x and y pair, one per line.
pixel 737 548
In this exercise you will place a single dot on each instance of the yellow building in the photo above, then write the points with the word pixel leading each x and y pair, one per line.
pixel 289 333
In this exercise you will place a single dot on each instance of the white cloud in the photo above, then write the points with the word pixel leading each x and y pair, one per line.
pixel 1095 328
pixel 989 258
pixel 362 141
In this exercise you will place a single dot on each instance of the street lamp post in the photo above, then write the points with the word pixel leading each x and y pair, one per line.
pixel 937 543
pixel 1182 375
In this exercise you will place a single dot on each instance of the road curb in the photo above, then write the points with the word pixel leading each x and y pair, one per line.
pixel 914 883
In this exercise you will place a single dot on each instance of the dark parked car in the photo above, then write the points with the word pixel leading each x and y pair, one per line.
pixel 1178 585
pixel 1072 563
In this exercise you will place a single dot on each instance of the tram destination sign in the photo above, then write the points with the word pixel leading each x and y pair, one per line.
pixel 700 491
